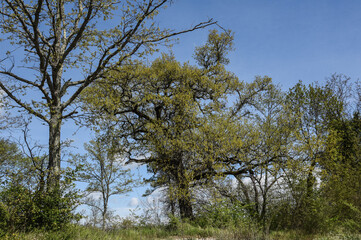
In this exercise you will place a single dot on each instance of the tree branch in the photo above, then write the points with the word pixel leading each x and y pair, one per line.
pixel 23 105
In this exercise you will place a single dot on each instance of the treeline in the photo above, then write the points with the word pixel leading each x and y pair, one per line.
pixel 221 151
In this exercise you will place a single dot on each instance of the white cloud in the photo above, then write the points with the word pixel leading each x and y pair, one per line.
pixel 95 195
pixel 133 202
pixel 132 166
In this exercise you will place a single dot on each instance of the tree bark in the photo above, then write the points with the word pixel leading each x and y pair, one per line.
pixel 104 212
pixel 53 180
pixel 184 198
pixel 310 182
pixel 185 205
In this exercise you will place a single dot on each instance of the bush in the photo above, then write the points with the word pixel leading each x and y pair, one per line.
pixel 353 224
pixel 223 215
pixel 23 209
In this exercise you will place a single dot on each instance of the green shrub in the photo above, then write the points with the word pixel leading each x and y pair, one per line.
pixel 353 223
pixel 174 223
pixel 223 215
pixel 23 209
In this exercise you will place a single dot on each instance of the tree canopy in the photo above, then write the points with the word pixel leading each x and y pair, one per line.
pixel 56 37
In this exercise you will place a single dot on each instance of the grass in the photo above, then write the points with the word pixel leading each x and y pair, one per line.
pixel 184 231
pixel 139 233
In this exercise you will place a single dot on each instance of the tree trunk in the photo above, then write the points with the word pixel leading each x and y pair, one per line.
pixel 104 213
pixel 53 180
pixel 172 204
pixel 183 195
pixel 264 201
pixel 185 207
pixel 310 182
pixel 105 209
pixel 184 201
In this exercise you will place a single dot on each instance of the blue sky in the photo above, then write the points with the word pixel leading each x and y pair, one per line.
pixel 288 40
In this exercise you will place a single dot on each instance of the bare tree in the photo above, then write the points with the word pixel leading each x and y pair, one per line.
pixel 105 173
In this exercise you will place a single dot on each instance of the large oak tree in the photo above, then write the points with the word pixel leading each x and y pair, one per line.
pixel 175 116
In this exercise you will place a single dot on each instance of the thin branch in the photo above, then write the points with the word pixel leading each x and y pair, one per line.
pixel 198 26
pixel 20 78
pixel 79 33
pixel 23 105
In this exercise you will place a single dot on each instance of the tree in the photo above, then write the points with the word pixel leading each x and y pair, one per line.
pixel 310 109
pixel 257 153
pixel 341 167
pixel 270 148
pixel 103 170
pixel 341 162
pixel 170 112
pixel 59 37
pixel 161 109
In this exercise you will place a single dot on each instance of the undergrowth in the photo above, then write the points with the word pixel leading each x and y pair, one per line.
pixel 184 231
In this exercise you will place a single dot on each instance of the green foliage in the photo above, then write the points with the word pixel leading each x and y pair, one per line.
pixel 311 110
pixel 4 218
pixel 224 215
pixel 162 110
pixel 25 210
pixel 214 52
pixel 310 218
pixel 353 221
pixel 24 204
pixel 175 116
pixel 341 168
pixel 11 160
